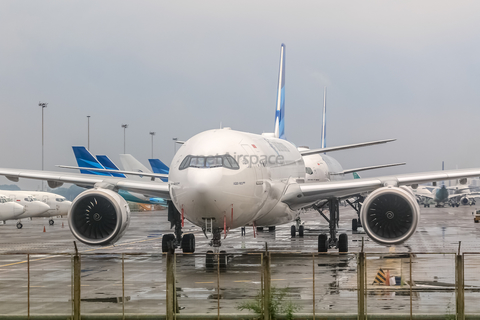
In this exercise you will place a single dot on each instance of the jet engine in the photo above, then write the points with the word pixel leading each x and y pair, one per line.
pixel 465 201
pixel 390 215
pixel 99 217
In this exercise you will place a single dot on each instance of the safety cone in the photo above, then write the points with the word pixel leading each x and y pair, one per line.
pixel 62 224
pixel 44 229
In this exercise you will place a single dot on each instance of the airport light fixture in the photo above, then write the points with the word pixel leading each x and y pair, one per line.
pixel 88 132
pixel 43 105
pixel 152 133
pixel 124 126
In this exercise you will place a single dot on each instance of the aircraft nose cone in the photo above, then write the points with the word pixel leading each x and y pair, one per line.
pixel 64 207
pixel 18 209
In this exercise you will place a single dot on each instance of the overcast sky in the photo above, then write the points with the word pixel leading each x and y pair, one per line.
pixel 408 70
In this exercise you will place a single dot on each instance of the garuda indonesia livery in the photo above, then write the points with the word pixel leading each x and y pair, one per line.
pixel 223 179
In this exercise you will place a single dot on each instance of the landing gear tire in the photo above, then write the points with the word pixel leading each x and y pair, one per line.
pixel 19 225
pixel 354 224
pixel 223 259
pixel 259 229
pixel 209 260
pixel 51 222
pixel 271 229
pixel 188 243
pixel 343 243
pixel 322 243
pixel 167 242
pixel 293 231
pixel 300 231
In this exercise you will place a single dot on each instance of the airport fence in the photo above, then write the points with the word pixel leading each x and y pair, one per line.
pixel 256 285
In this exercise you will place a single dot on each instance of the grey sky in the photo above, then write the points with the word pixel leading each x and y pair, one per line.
pixel 408 70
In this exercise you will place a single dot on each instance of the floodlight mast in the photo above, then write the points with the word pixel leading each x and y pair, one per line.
pixel 124 126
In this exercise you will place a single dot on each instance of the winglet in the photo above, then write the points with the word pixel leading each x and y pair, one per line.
pixel 280 110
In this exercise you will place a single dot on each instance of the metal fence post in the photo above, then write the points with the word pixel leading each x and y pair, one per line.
pixel 76 284
pixel 361 285
pixel 460 286
pixel 170 285
pixel 28 285
pixel 266 286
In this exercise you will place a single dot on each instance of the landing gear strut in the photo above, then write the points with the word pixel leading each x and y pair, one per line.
pixel 324 243
pixel 357 206
pixel 172 241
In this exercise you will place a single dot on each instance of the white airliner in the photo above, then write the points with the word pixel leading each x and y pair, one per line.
pixel 39 204
pixel 33 207
pixel 9 209
pixel 223 179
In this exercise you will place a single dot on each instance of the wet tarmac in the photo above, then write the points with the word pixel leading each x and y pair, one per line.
pixel 326 283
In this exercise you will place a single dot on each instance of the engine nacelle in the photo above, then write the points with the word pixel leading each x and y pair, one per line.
pixel 99 217
pixel 465 201
pixel 390 215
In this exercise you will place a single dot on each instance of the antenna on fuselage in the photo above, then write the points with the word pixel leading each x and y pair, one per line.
pixel 279 131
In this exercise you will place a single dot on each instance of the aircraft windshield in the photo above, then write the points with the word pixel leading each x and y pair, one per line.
pixel 60 199
pixel 226 161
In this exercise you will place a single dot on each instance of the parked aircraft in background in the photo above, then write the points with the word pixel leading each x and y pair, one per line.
pixel 33 207
pixel 9 209
pixel 89 164
pixel 223 179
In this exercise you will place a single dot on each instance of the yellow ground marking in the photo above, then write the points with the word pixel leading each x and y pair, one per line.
pixel 33 286
pixel 243 281
pixel 307 278
pixel 277 279
pixel 109 247
pixel 204 282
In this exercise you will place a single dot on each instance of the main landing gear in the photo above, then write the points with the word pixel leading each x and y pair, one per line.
pixel 215 257
pixel 356 205
pixel 172 241
pixel 325 243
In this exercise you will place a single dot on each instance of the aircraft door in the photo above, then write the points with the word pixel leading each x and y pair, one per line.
pixel 253 158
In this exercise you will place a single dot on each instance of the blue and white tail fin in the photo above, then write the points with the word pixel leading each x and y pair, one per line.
pixel 280 110
pixel 108 164
pixel 86 160
pixel 159 167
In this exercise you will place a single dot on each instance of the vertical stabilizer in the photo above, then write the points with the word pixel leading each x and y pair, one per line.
pixel 159 167
pixel 280 110
pixel 324 121
pixel 108 164
pixel 129 163
pixel 86 160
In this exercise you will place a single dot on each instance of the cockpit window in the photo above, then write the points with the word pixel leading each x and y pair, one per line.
pixel 226 161
pixel 60 199
pixel 308 170
pixel 4 199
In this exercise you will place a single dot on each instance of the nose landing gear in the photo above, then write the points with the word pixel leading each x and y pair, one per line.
pixel 172 241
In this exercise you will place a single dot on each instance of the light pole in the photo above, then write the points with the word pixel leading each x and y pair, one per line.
pixel 88 132
pixel 43 105
pixel 124 126
pixel 174 146
pixel 152 133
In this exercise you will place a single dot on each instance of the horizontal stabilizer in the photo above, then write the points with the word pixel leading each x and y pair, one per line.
pixel 349 146
pixel 141 174
pixel 374 167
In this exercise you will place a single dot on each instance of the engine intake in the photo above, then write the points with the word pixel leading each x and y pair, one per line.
pixel 99 217
pixel 390 215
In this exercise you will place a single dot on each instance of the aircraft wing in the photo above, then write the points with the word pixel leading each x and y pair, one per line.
pixel 374 167
pixel 349 146
pixel 298 195
pixel 56 179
